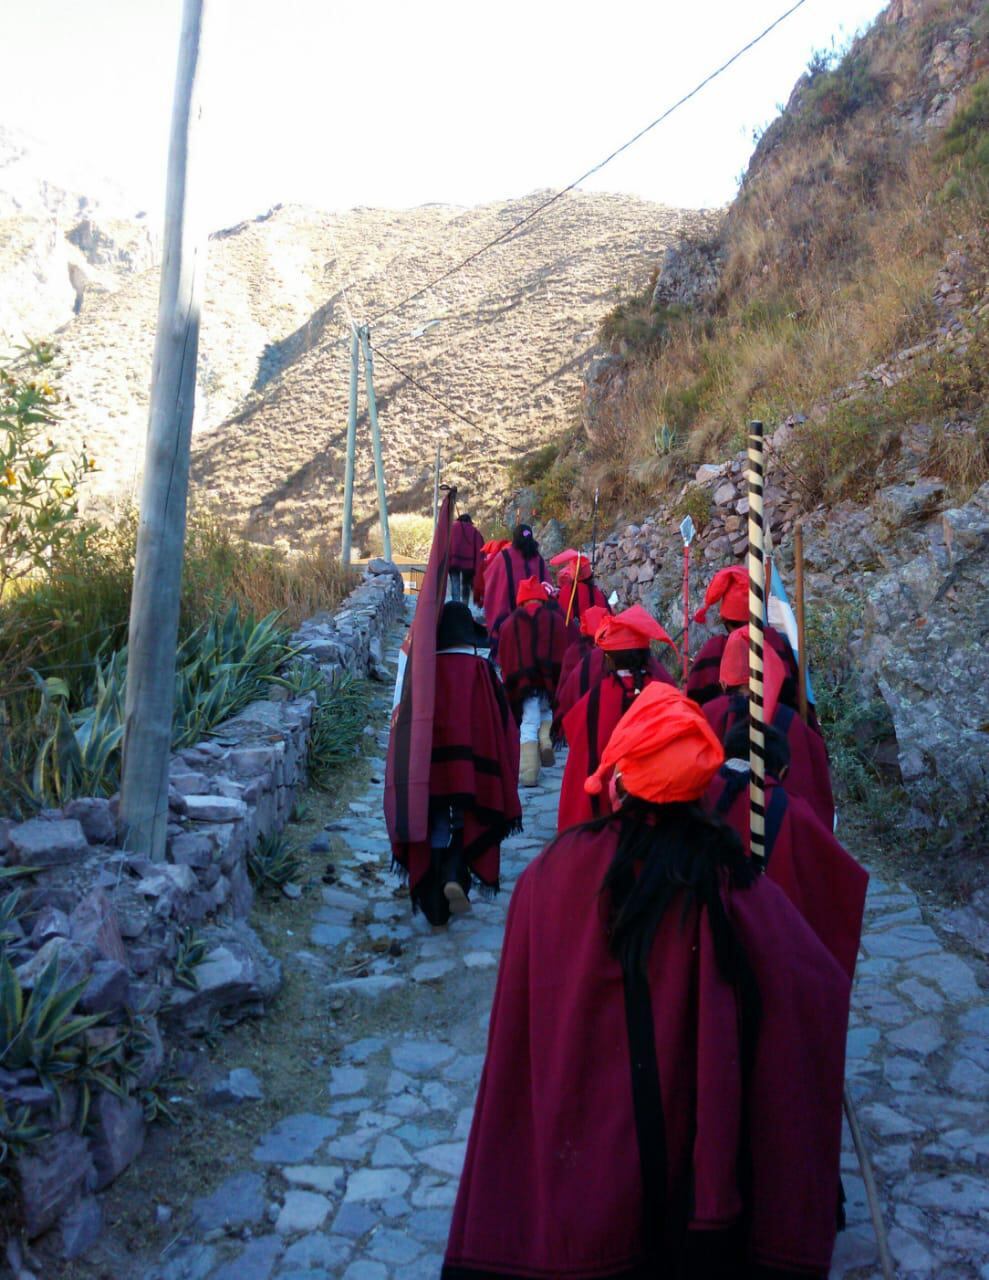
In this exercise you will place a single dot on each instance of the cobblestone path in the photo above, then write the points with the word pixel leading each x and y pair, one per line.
pixel 361 1185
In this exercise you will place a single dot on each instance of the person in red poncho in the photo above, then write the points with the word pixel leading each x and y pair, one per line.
pixel 729 589
pixel 533 642
pixel 466 557
pixel 809 774
pixel 819 876
pixel 502 576
pixel 578 590
pixel 473 791
pixel 662 1089
pixel 583 666
pixel 488 553
pixel 629 668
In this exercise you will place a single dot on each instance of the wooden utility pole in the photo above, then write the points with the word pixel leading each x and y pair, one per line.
pixel 379 469
pixel 348 473
pixel 154 615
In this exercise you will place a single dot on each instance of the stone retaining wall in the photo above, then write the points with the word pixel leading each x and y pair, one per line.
pixel 122 925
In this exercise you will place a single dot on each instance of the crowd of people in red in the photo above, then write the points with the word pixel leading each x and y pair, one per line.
pixel 662 1090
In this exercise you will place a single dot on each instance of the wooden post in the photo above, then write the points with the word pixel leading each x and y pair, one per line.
pixel 348 471
pixel 436 487
pixel 154 613
pixel 798 557
pixel 379 469
pixel 757 607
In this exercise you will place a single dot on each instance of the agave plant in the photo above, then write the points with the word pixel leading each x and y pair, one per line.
pixel 220 668
pixel 17 1133
pixel 42 1031
pixel 665 440
pixel 338 724
pixel 273 861
pixel 190 952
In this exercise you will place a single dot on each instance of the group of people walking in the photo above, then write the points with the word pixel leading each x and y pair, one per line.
pixel 661 1095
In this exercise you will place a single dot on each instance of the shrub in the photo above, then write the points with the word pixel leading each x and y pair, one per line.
pixel 965 148
pixel 39 508
pixel 411 536
pixel 696 503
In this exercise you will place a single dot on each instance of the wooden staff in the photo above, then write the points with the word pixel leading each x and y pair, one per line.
pixel 798 564
pixel 757 614
pixel 871 1193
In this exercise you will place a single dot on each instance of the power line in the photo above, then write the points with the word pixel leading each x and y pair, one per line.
pixel 424 389
pixel 541 208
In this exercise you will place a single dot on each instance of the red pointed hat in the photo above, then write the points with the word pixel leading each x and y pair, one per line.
pixel 663 748
pixel 631 629
pixel 730 588
pixel 591 619
pixel 530 589
pixel 735 669
pixel 570 557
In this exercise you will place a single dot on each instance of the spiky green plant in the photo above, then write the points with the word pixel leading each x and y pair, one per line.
pixel 339 717
pixel 221 667
pixel 17 1134
pixel 274 861
pixel 190 952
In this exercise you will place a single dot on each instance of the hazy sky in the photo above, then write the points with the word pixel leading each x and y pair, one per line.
pixel 407 101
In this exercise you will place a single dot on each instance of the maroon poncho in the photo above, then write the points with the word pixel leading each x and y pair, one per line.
pixel 587 671
pixel 466 546
pixel 703 682
pixel 809 775
pixel 819 876
pixel 474 764
pixel 530 653
pixel 587 728
pixel 407 770
pixel 501 583
pixel 552 1185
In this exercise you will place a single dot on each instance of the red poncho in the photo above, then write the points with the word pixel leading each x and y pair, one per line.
pixel 552 1185
pixel 474 764
pixel 587 728
pixel 501 583
pixel 819 876
pixel 809 776
pixel 530 653
pixel 703 682
pixel 466 547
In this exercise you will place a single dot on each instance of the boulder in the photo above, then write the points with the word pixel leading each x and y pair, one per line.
pixel 235 978
pixel 94 924
pixel 118 1135
pixel 73 963
pixel 43 842
pixel 81 1227
pixel 108 988
pixel 202 808
pixel 95 815
pixel 51 1175
pixel 899 505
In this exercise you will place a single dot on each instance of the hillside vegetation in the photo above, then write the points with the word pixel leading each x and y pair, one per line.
pixel 858 239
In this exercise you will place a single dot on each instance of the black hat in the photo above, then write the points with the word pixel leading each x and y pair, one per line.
pixel 458 629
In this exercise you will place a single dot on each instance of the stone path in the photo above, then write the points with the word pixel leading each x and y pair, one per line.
pixel 362 1184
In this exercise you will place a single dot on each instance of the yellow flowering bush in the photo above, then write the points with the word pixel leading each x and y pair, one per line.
pixel 39 509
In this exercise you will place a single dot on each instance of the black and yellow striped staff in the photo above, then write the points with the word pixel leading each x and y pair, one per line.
pixel 757 607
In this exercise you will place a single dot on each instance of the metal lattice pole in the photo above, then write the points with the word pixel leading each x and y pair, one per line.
pixel 379 468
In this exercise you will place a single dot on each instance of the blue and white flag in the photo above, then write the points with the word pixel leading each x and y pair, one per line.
pixel 781 617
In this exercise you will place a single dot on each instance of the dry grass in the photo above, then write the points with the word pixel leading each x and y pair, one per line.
pixel 833 247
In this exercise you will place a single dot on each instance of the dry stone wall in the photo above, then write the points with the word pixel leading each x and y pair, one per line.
pixel 122 925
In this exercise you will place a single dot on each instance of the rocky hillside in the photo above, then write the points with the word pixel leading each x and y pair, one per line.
pixel 66 241
pixel 503 343
pixel 845 301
